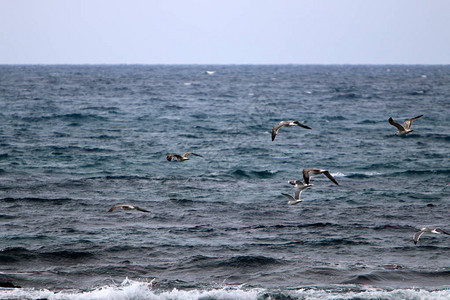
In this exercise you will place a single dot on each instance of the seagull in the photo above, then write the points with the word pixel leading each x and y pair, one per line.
pixel 182 157
pixel 406 128
pixel 296 199
pixel 298 183
pixel 127 207
pixel 286 124
pixel 428 230
pixel 306 173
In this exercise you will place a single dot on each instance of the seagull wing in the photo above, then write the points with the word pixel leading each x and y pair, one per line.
pixel 140 209
pixel 288 196
pixel 442 231
pixel 399 127
pixel 189 153
pixel 301 125
pixel 299 192
pixel 417 235
pixel 276 128
pixel 407 123
pixel 114 207
pixel 326 173
pixel 306 175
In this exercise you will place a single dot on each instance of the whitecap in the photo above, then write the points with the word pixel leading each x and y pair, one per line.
pixel 136 290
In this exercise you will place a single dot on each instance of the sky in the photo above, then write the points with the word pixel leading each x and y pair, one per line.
pixel 224 32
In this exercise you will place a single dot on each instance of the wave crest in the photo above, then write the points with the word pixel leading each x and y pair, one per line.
pixel 131 289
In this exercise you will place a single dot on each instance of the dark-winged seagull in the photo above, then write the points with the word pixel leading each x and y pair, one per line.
pixel 406 128
pixel 127 207
pixel 312 171
pixel 286 124
pixel 296 199
pixel 428 230
pixel 181 157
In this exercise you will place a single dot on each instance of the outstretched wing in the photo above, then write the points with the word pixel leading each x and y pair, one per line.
pixel 407 123
pixel 399 127
pixel 276 128
pixel 140 209
pixel 417 236
pixel 298 193
pixel 288 196
pixel 442 231
pixel 114 207
pixel 326 173
pixel 306 175
pixel 189 153
pixel 301 125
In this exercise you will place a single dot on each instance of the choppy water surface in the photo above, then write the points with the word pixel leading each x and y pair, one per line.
pixel 76 140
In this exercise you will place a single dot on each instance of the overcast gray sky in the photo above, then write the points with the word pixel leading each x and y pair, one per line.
pixel 225 32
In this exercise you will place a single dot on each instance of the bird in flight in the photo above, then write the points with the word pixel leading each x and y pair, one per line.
pixel 180 158
pixel 312 171
pixel 127 207
pixel 286 124
pixel 406 128
pixel 428 230
pixel 296 199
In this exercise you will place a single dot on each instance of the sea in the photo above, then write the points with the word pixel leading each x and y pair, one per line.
pixel 76 140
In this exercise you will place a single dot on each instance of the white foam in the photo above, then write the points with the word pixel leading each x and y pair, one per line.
pixel 136 290
pixel 338 174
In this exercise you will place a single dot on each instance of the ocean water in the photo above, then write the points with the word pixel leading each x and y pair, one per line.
pixel 76 140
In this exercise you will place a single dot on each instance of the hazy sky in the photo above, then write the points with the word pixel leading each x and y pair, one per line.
pixel 225 32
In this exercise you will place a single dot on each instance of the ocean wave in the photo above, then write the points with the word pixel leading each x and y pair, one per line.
pixel 20 254
pixel 239 174
pixel 136 290
pixel 340 242
pixel 368 122
pixel 249 261
pixel 363 175
pixel 121 177
pixel 241 262
pixel 412 172
pixel 63 150
pixel 338 174
pixel 66 117
pixel 438 278
pixel 439 137
pixel 57 201
pixel 423 172
pixel 306 225
pixel 7 217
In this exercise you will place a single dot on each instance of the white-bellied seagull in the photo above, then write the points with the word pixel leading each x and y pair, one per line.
pixel 181 157
pixel 127 207
pixel 428 230
pixel 296 199
pixel 286 124
pixel 406 128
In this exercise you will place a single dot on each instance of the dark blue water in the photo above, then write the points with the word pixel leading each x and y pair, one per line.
pixel 76 140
